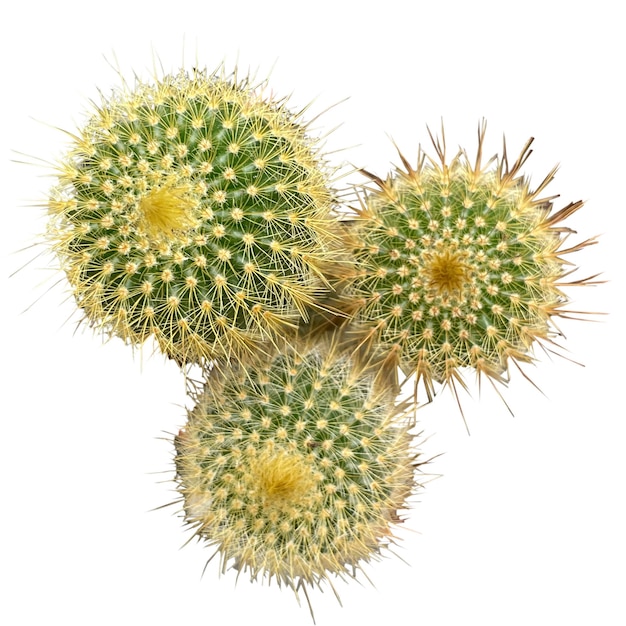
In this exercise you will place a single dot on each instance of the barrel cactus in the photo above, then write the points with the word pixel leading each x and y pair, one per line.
pixel 296 470
pixel 198 210
pixel 461 265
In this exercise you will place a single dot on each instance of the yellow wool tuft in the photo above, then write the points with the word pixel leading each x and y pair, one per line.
pixel 282 478
pixel 167 209
pixel 446 272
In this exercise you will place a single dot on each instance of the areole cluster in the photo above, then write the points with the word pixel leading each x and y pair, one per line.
pixel 200 212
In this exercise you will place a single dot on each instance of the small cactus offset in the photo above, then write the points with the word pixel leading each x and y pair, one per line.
pixel 196 210
pixel 461 266
pixel 298 469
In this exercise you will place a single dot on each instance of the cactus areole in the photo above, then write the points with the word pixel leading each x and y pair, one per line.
pixel 196 210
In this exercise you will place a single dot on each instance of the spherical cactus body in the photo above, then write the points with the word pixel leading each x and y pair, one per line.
pixel 196 210
pixel 296 470
pixel 461 266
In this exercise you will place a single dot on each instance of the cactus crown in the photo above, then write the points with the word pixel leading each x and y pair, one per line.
pixel 196 210
pixel 461 265
pixel 295 470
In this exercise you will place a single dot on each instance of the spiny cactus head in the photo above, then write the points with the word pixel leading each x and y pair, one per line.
pixel 461 265
pixel 296 470
pixel 197 210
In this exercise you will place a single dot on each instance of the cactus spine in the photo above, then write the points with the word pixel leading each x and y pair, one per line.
pixel 198 211
pixel 461 265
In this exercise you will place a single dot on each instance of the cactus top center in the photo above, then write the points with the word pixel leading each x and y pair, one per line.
pixel 447 272
pixel 166 210
pixel 283 479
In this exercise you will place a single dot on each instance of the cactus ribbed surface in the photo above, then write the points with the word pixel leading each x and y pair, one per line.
pixel 197 210
pixel 298 469
pixel 461 265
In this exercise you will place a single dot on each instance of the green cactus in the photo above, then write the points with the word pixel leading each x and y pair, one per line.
pixel 296 470
pixel 461 266
pixel 196 210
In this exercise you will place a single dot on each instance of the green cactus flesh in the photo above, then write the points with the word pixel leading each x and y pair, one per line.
pixel 460 266
pixel 295 470
pixel 194 210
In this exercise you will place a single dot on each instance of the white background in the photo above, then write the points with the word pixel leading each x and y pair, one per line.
pixel 526 524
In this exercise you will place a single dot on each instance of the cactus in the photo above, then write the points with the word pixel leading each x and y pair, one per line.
pixel 461 266
pixel 196 210
pixel 297 469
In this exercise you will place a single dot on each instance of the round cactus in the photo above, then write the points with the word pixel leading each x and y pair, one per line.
pixel 461 265
pixel 298 469
pixel 196 210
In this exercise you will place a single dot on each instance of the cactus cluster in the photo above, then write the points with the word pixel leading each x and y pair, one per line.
pixel 198 211
pixel 297 469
